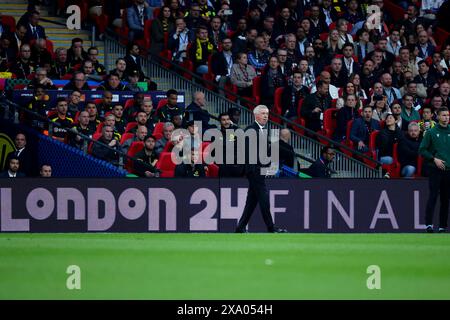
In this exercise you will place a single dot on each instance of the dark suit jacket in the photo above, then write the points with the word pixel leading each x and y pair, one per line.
pixel 356 68
pixel 134 65
pixel 27 160
pixel 253 169
pixel 319 169
pixel 219 64
pixel 4 174
pixel 39 30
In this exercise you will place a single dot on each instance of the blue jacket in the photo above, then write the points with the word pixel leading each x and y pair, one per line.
pixel 133 17
pixel 359 130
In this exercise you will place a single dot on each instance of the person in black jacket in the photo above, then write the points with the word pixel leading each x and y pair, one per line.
pixel 271 79
pixel 12 169
pixel 222 62
pixel 194 169
pixel 257 190
pixel 387 137
pixel 103 152
pixel 408 150
pixel 344 115
pixel 197 111
pixel 25 155
pixel 321 167
pixel 78 82
pixel 228 140
pixel 292 95
pixel 315 104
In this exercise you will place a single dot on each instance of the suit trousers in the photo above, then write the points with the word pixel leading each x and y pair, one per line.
pixel 257 194
pixel 439 184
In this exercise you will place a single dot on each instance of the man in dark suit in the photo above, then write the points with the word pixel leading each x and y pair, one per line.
pixel 321 167
pixel 257 191
pixel 362 128
pixel 315 104
pixel 25 155
pixel 34 30
pixel 133 61
pixel 349 65
pixel 12 170
pixel 18 38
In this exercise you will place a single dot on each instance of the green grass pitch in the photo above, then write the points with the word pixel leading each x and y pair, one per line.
pixel 225 266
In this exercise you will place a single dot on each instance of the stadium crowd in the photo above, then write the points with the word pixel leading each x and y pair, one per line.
pixel 348 70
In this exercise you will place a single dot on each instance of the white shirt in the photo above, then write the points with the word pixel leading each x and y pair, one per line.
pixel 12 174
pixel 20 151
pixel 349 65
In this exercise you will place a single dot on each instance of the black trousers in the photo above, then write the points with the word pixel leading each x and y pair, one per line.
pixel 257 193
pixel 439 184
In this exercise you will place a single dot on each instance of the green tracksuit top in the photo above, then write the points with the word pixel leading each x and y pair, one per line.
pixel 436 144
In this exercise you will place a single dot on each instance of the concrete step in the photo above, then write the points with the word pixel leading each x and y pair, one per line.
pixel 58 36
pixel 13 6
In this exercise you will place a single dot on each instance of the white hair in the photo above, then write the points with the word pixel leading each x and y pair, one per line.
pixel 258 109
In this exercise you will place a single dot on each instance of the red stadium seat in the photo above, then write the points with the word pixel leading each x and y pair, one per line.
pixel 168 147
pixel 126 136
pixel 209 80
pixel 329 122
pixel 100 127
pixel 187 64
pixel 166 165
pixel 166 55
pixel 277 107
pixel 161 104
pixel 158 131
pixel 130 126
pixel 129 103
pixel 135 147
pixel 10 21
pixel 213 171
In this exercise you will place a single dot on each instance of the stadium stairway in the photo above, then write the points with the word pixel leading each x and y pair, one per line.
pixel 55 27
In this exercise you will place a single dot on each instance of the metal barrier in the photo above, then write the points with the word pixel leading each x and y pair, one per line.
pixel 344 165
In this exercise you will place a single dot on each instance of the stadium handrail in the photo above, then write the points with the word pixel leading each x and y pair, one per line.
pixel 157 59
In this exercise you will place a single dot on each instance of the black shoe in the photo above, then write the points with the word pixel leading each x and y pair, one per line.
pixel 278 230
pixel 240 231
pixel 430 229
pixel 442 230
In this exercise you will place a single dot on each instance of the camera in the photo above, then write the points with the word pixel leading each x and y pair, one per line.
pixel 227 12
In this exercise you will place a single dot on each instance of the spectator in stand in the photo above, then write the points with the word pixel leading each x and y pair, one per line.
pixel 7 55
pixel 12 170
pixel 444 91
pixel 88 69
pixel 408 150
pixel 34 30
pixel 194 169
pixel 290 42
pixel 201 49
pixel 338 76
pixel 82 127
pixel 315 65
pixel 18 39
pixel 74 105
pixel 192 17
pixel 120 122
pixel 216 35
pixel 368 77
pixel 362 128
pixel 436 104
pixel 76 53
pixel 197 111
pixel 40 54
pixel 235 115
pixel 333 45
pixel 138 100
pixel 25 154
pixel 389 91
pixel 308 79
pixel 245 44
pixel 352 12
pixel 426 48
pixel 284 23
pixel 46 171
pixel 325 76
pixel 427 121
pixel 287 153
pixel 292 95
pixel 78 82
pixel 121 67
pixel 396 110
pixel 110 120
pixel 438 68
pixel 260 56
pixel 147 159
pixel 242 75
pixel 314 106
pixel 179 40
pixel 166 112
pixel 411 89
pixel 137 14
pixel 348 112
pixel 23 67
pixel 424 77
pixel 408 112
pixel 394 43
pixel 175 8
pixel 99 69
pixel 133 80
pixel 380 107
pixel 141 133
pixel 41 79
pixel 145 118
pixel 222 62
pixel 318 24
pixel 105 105
pixel 94 119
pixel 112 83
pixel 110 154
pixel 302 42
pixel 408 62
pixel 61 65
pixel 386 138
pixel 167 137
pixel 271 80
pixel 64 123
pixel 161 26
pixel 349 65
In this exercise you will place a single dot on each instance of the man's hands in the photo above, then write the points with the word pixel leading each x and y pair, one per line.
pixel 112 143
pixel 439 163
pixel 361 145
